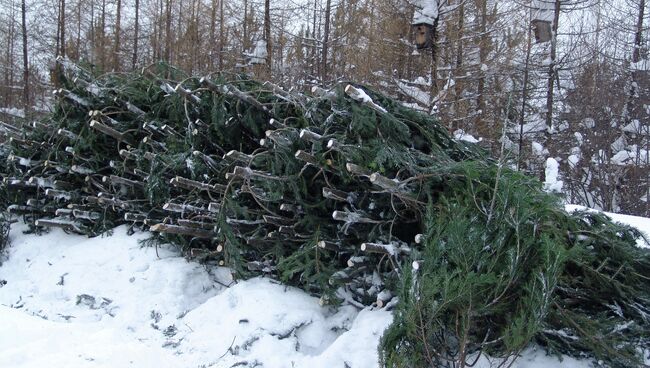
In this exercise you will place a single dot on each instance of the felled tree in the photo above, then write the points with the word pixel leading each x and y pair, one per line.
pixel 338 192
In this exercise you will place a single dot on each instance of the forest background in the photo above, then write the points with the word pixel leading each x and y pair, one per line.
pixel 581 99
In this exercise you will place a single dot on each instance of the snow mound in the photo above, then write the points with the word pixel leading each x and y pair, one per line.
pixel 109 302
pixel 70 301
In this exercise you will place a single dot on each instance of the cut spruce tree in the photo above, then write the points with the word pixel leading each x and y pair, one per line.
pixel 344 193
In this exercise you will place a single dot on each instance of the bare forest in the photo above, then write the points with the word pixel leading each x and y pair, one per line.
pixel 535 82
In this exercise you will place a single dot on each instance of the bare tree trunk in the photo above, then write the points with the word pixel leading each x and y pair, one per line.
pixel 244 42
pixel 434 65
pixel 102 37
pixel 118 30
pixel 326 38
pixel 62 28
pixel 638 35
pixel 92 32
pixel 23 11
pixel 636 57
pixel 78 43
pixel 168 31
pixel 524 97
pixel 552 69
pixel 57 48
pixel 222 38
pixel 213 41
pixel 458 88
pixel 314 54
pixel 136 34
pixel 267 36
pixel 483 51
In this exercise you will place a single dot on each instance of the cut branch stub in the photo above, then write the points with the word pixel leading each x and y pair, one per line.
pixel 181 182
pixel 384 182
pixel 359 95
pixel 182 230
pixel 110 132
pixel 357 170
pixel 238 156
pixel 182 208
pixel 335 194
pixel 306 157
pixel 310 136
pixel 329 245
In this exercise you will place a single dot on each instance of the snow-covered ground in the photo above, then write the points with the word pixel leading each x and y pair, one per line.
pixel 70 301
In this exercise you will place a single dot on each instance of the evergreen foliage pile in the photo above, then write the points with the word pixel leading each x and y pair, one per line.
pixel 346 194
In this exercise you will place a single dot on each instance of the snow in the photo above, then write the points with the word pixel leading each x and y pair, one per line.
pixel 542 10
pixel 259 54
pixel 573 160
pixel 528 128
pixel 632 156
pixel 109 302
pixel 635 127
pixel 422 97
pixel 588 123
pixel 71 301
pixel 551 184
pixel 641 223
pixel 461 135
pixel 12 111
pixel 538 149
pixel 426 12
pixel 619 144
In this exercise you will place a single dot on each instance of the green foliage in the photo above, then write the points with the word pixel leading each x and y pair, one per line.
pixel 501 263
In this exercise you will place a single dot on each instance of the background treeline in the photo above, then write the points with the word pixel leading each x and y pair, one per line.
pixel 583 98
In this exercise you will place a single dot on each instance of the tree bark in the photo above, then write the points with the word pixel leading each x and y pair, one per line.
pixel 213 41
pixel 23 10
pixel 168 31
pixel 267 36
pixel 524 97
pixel 483 51
pixel 326 38
pixel 638 35
pixel 118 30
pixel 222 38
pixel 134 60
pixel 102 37
pixel 244 42
pixel 62 25
pixel 552 68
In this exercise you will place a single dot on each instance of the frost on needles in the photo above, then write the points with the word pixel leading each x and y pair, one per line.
pixel 345 193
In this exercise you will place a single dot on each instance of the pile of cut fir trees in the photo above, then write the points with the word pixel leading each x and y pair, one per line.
pixel 346 194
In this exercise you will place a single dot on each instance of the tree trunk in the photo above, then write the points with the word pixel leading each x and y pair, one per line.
pixel 136 32
pixel 314 54
pixel 222 38
pixel 213 41
pixel 434 65
pixel 92 32
pixel 118 30
pixel 168 31
pixel 326 38
pixel 102 38
pixel 7 92
pixel 244 42
pixel 459 86
pixel 62 28
pixel 23 11
pixel 483 53
pixel 78 43
pixel 552 69
pixel 267 36
pixel 638 35
pixel 524 97
pixel 57 49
